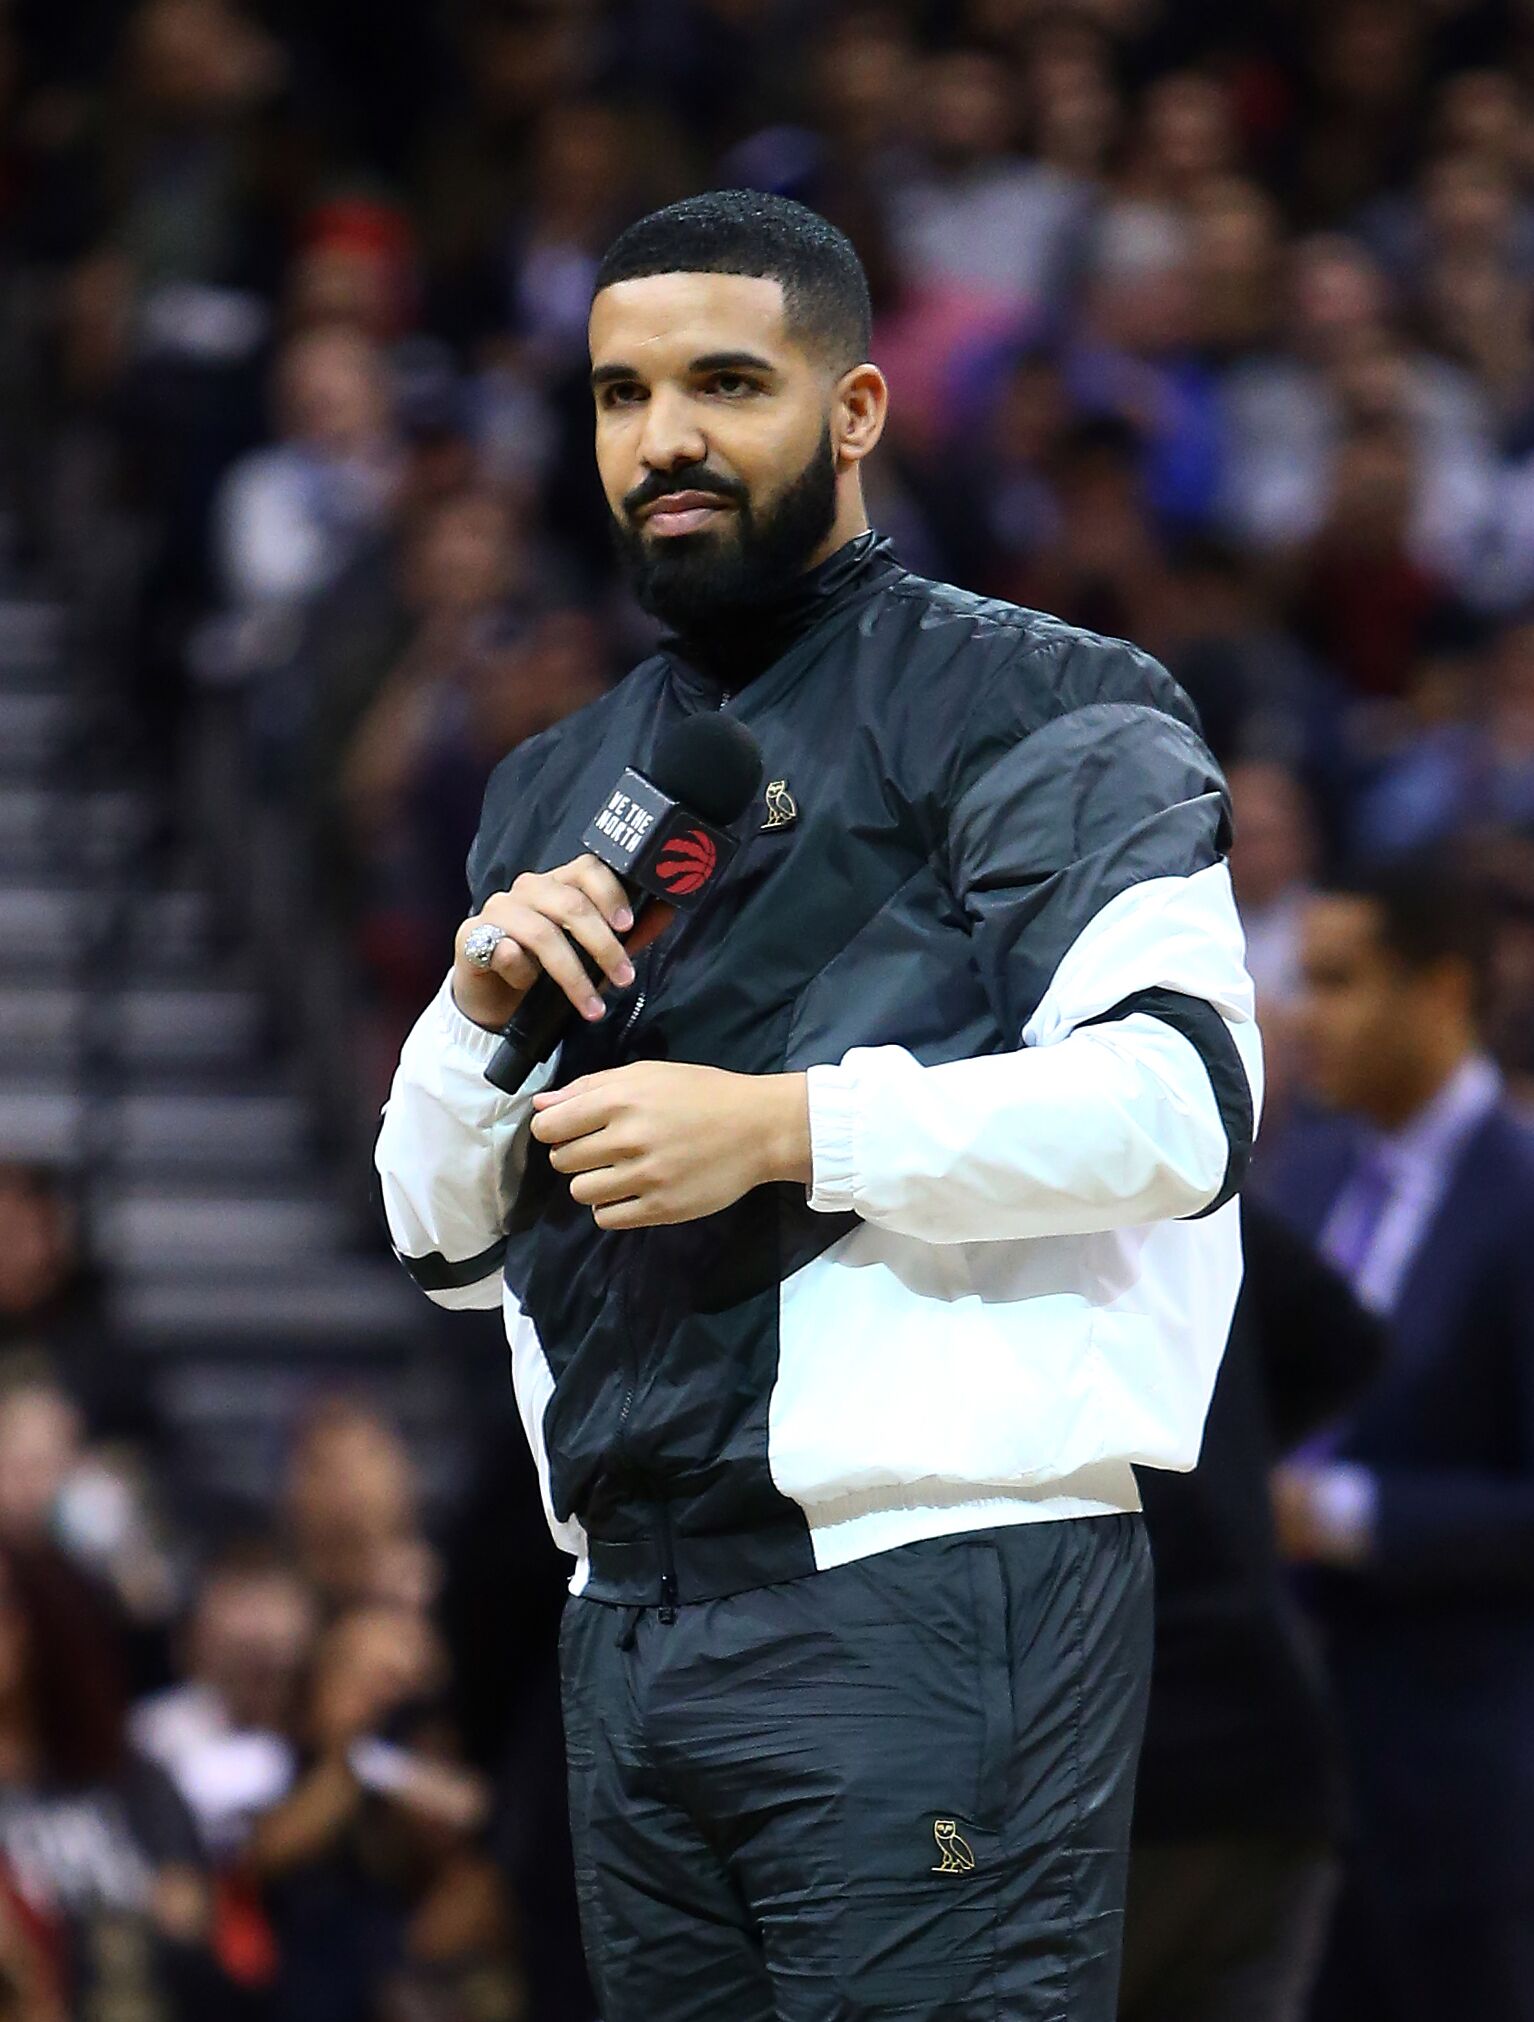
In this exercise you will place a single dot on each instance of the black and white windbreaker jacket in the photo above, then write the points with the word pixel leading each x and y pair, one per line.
pixel 999 935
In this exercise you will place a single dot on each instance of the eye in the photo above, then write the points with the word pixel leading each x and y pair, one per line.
pixel 623 393
pixel 732 385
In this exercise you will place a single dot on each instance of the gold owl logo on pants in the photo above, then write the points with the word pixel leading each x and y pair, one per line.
pixel 957 1858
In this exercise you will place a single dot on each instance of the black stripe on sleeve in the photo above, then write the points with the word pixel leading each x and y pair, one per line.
pixel 435 1273
pixel 1209 1036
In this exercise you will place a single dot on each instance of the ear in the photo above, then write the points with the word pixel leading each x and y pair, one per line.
pixel 857 416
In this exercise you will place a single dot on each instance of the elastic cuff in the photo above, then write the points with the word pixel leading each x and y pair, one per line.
pixel 832 1098
pixel 454 1029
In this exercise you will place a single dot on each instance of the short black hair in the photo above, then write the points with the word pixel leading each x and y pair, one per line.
pixel 825 291
pixel 1430 909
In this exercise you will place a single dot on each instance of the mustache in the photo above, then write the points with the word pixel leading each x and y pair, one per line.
pixel 691 477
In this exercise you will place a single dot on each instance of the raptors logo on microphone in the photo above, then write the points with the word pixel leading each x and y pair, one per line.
pixel 687 862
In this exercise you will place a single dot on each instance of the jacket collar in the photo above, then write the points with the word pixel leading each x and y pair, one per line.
pixel 724 658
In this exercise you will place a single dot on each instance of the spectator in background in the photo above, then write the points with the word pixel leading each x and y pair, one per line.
pixel 1413 1514
pixel 381 1897
pixel 350 1504
pixel 1259 695
pixel 1139 357
pixel 93 1503
pixel 1366 69
pixel 1105 568
pixel 979 242
pixel 415 776
pixel 976 217
pixel 51 1291
pixel 1239 1798
pixel 291 516
pixel 225 1735
pixel 1235 255
pixel 1187 136
pixel 1468 772
pixel 1364 601
pixel 1075 109
pixel 1289 415
pixel 999 507
pixel 1272 862
pixel 96 1847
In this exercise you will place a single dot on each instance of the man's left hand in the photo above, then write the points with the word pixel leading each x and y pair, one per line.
pixel 1323 1515
pixel 665 1141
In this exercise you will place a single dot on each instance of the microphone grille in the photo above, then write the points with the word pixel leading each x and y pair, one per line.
pixel 710 763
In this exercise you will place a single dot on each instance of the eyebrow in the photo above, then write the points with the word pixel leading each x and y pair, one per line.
pixel 711 361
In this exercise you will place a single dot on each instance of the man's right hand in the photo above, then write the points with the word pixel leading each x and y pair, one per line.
pixel 544 915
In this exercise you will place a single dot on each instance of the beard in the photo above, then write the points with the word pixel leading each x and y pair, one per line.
pixel 692 581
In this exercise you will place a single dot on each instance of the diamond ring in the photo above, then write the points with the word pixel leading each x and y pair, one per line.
pixel 480 944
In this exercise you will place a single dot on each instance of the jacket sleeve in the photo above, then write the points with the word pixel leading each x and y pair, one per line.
pixel 1089 860
pixel 1468 1529
pixel 450 1153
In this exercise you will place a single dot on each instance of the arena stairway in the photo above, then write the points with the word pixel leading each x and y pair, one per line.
pixel 140 1051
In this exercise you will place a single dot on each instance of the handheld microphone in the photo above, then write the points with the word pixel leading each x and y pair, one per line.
pixel 663 832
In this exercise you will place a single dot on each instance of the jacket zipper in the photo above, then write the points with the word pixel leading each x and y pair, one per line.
pixel 668 1584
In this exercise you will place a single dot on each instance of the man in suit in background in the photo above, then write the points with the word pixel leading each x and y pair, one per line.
pixel 1239 1801
pixel 1414 1515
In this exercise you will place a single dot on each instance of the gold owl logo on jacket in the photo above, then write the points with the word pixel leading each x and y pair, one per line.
pixel 957 1858
pixel 782 808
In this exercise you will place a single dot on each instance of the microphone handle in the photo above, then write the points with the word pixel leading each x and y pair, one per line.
pixel 539 1022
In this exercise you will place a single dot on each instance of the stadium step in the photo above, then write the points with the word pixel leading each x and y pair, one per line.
pixel 49 1025
pixel 145 1231
pixel 366 1301
pixel 52 922
pixel 141 1049
pixel 33 647
pixel 45 826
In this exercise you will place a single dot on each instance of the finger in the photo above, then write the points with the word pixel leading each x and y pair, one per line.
pixel 582 918
pixel 608 1183
pixel 573 1119
pixel 509 961
pixel 554 952
pixel 586 1154
pixel 512 961
pixel 632 1214
pixel 603 887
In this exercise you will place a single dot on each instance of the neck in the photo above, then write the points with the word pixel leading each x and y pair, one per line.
pixel 851 520
pixel 1425 1079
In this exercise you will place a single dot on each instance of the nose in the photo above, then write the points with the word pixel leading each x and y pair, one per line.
pixel 671 437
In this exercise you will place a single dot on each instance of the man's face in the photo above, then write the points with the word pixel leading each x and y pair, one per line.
pixel 1362 1010
pixel 713 441
pixel 252 1636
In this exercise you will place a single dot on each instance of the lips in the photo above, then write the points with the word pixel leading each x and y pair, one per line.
pixel 683 512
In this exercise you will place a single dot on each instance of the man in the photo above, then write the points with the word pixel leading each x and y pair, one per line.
pixel 1417 1511
pixel 1239 1801
pixel 224 1735
pixel 876 1225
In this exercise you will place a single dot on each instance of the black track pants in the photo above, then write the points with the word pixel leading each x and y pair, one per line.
pixel 901 1787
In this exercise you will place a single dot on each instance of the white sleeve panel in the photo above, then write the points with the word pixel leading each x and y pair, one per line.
pixel 449 1155
pixel 1091 1126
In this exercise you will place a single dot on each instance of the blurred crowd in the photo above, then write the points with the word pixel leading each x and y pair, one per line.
pixel 236 1781
pixel 1208 325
